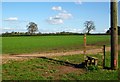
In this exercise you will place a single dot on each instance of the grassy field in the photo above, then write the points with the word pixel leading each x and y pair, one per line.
pixel 38 44
pixel 57 68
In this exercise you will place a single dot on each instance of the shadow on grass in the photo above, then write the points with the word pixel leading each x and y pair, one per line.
pixel 107 68
pixel 81 65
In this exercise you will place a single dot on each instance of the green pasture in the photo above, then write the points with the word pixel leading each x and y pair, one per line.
pixel 55 68
pixel 58 68
pixel 38 44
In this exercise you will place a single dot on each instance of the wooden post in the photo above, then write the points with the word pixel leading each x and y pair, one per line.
pixel 103 56
pixel 114 35
pixel 84 46
pixel 95 62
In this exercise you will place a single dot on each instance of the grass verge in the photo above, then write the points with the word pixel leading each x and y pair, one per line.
pixel 57 68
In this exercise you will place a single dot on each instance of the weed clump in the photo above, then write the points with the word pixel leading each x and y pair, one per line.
pixel 92 68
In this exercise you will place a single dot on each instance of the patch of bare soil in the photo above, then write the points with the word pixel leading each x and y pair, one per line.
pixel 62 70
pixel 68 69
pixel 6 58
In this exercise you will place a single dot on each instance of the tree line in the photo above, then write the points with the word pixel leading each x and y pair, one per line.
pixel 89 26
pixel 33 28
pixel 45 34
pixel 38 34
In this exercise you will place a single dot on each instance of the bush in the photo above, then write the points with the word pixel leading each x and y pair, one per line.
pixel 92 68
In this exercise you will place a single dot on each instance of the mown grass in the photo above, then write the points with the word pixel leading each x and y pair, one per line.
pixel 38 44
pixel 96 75
pixel 51 69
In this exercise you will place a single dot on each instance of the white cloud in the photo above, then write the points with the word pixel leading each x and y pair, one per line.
pixel 105 30
pixel 65 15
pixel 10 29
pixel 74 30
pixel 7 28
pixel 55 20
pixel 64 11
pixel 11 19
pixel 66 29
pixel 77 30
pixel 57 8
pixel 60 17
pixel 57 17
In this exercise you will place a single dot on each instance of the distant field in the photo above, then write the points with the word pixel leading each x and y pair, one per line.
pixel 32 44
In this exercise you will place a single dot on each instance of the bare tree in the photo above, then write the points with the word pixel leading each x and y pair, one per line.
pixel 89 26
pixel 32 27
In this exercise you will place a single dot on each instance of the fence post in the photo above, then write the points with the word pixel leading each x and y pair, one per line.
pixel 84 46
pixel 103 56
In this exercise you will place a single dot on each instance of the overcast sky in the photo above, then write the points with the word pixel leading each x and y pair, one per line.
pixel 55 16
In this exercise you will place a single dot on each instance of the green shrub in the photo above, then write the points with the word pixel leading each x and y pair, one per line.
pixel 92 68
